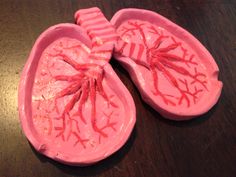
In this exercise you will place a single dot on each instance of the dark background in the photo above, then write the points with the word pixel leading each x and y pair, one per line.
pixel 203 147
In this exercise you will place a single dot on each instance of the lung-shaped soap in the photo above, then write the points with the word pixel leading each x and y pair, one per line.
pixel 173 71
pixel 73 107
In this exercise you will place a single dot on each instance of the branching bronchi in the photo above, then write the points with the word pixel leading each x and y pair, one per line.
pixel 159 58
pixel 83 86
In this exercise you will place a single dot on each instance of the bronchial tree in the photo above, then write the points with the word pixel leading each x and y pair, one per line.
pixel 166 56
pixel 84 85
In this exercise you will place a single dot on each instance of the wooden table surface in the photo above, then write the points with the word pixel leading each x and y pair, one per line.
pixel 203 147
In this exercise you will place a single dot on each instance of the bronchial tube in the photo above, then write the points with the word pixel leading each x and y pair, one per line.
pixel 100 31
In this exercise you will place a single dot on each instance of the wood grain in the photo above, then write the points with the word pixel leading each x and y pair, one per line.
pixel 205 146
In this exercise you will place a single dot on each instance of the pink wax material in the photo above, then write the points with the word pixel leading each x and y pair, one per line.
pixel 73 109
pixel 174 73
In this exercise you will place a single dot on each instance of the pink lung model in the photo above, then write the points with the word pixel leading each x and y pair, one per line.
pixel 73 107
pixel 173 71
